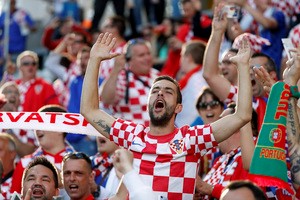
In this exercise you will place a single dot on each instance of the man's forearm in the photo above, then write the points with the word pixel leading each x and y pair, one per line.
pixel 90 96
pixel 109 87
pixel 293 131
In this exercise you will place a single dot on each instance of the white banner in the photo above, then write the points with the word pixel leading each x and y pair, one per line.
pixel 48 121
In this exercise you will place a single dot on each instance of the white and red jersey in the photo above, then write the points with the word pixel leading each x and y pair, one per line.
pixel 228 167
pixel 168 163
pixel 5 185
pixel 36 93
pixel 138 89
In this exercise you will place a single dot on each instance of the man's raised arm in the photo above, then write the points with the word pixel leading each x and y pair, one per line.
pixel 89 106
pixel 226 126
pixel 211 73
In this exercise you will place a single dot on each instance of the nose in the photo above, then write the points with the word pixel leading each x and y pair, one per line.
pixel 160 93
pixel 72 176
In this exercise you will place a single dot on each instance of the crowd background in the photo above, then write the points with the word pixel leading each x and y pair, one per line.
pixel 49 48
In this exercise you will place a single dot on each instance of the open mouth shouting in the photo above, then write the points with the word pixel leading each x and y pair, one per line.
pixel 38 191
pixel 73 188
pixel 159 105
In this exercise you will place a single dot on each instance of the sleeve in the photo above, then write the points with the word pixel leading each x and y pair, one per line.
pixel 17 178
pixel 29 21
pixel 47 40
pixel 136 187
pixel 123 132
pixel 201 139
pixel 216 193
pixel 233 94
pixel 52 63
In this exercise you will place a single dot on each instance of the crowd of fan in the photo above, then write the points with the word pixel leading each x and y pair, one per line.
pixel 203 53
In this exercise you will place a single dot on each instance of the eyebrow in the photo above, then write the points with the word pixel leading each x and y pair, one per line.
pixel 166 88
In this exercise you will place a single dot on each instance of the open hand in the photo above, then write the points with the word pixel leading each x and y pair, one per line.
pixel 244 53
pixel 264 77
pixel 103 46
pixel 291 74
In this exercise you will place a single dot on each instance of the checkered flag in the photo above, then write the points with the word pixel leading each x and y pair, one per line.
pixel 256 41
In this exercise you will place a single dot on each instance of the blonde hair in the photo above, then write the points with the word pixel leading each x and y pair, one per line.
pixel 27 53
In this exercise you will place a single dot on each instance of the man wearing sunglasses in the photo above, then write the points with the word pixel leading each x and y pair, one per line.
pixel 166 157
pixel 35 92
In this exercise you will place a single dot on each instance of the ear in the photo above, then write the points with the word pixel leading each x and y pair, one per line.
pixel 56 192
pixel 273 75
pixel 178 108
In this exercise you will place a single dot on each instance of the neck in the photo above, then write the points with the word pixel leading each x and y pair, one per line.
pixel 161 130
pixel 119 40
pixel 27 79
pixel 58 147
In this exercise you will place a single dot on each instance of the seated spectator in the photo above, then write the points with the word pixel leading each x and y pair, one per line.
pixel 52 145
pixel 77 175
pixel 238 190
pixel 34 92
pixel 40 180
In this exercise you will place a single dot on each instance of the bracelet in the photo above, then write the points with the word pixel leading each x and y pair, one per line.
pixel 294 91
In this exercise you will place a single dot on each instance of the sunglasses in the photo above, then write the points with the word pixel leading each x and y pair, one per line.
pixel 29 63
pixel 212 105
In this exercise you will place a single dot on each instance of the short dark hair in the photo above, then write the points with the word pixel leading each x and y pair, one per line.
pixel 256 191
pixel 203 93
pixel 120 23
pixel 196 49
pixel 169 78
pixel 254 119
pixel 77 156
pixel 271 66
pixel 41 160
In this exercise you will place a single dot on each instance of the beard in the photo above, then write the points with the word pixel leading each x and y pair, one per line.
pixel 162 120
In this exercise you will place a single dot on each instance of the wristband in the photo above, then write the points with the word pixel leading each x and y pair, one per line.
pixel 294 91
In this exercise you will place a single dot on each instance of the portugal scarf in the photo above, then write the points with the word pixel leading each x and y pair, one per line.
pixel 268 166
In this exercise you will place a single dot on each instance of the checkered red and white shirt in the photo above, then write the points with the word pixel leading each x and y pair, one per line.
pixel 136 108
pixel 226 168
pixel 25 136
pixel 5 187
pixel 167 163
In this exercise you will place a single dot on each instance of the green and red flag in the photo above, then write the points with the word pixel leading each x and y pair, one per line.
pixel 268 166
